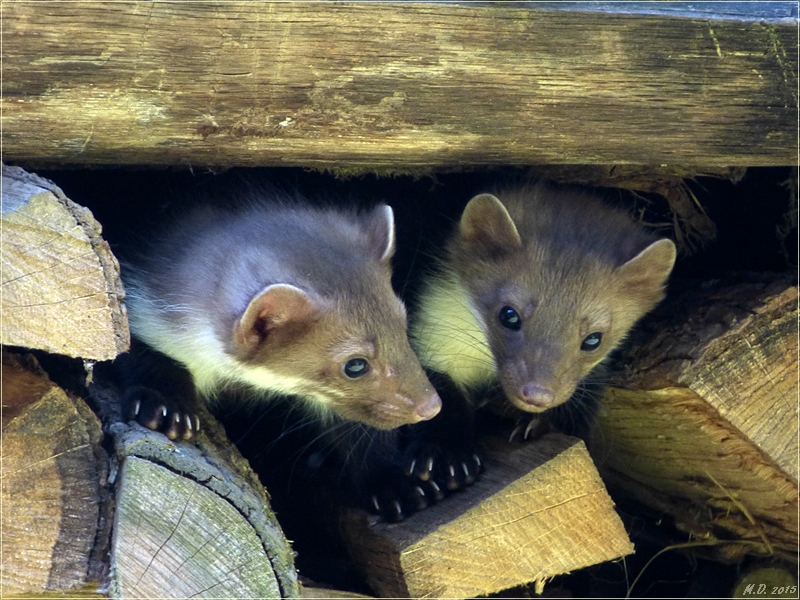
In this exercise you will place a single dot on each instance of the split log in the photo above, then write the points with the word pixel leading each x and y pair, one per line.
pixel 364 87
pixel 188 520
pixel 703 425
pixel 53 494
pixel 60 281
pixel 192 520
pixel 540 510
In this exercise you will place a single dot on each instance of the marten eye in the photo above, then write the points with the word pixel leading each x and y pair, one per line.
pixel 592 341
pixel 509 318
pixel 355 368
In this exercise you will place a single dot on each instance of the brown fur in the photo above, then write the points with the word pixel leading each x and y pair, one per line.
pixel 279 297
pixel 569 265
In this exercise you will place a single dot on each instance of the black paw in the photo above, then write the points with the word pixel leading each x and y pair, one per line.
pixel 395 496
pixel 530 426
pixel 451 469
pixel 151 409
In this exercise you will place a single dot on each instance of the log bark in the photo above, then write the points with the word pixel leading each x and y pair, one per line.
pixel 53 493
pixel 173 519
pixel 704 424
pixel 192 520
pixel 60 282
pixel 539 510
pixel 360 87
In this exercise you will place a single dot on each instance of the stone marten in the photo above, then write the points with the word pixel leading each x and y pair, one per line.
pixel 278 297
pixel 536 286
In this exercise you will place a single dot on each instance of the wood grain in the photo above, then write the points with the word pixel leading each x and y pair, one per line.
pixel 60 282
pixel 192 520
pixel 704 425
pixel 391 88
pixel 52 487
pixel 540 510
pixel 174 538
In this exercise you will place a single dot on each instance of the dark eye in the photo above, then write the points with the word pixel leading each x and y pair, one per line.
pixel 355 368
pixel 592 341
pixel 509 318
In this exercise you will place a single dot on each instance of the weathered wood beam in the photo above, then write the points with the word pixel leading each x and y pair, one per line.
pixel 540 510
pixel 704 425
pixel 391 88
pixel 60 282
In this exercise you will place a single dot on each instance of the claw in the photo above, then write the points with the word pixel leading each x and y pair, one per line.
pixel 533 423
pixel 136 408
pixel 477 460
pixel 398 511
pixel 514 432
pixel 376 504
pixel 437 492
pixel 411 467
pixel 422 501
pixel 465 468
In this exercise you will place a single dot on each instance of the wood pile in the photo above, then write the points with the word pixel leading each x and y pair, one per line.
pixel 703 423
pixel 166 519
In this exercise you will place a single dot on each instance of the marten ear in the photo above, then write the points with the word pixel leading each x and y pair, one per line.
pixel 648 270
pixel 379 228
pixel 277 310
pixel 485 222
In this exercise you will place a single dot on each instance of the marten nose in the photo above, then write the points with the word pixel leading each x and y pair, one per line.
pixel 429 408
pixel 537 395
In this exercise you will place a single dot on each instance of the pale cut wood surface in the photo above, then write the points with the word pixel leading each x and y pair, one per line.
pixel 174 538
pixel 52 487
pixel 704 424
pixel 61 290
pixel 391 88
pixel 192 519
pixel 540 510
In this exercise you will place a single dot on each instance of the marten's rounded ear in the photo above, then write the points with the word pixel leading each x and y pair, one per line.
pixel 650 268
pixel 278 307
pixel 379 228
pixel 486 222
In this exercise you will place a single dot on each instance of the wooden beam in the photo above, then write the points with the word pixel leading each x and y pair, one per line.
pixel 704 423
pixel 391 88
pixel 540 510
pixel 60 282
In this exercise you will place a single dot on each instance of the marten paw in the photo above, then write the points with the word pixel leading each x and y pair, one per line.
pixel 530 426
pixel 452 469
pixel 151 409
pixel 396 496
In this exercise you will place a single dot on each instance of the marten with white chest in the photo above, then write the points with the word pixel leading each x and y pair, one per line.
pixel 273 298
pixel 537 285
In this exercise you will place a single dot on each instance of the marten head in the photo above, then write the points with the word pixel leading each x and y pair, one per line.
pixel 555 279
pixel 340 339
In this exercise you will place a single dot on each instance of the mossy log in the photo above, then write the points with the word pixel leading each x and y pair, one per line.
pixel 540 510
pixel 703 425
pixel 407 87
pixel 60 282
